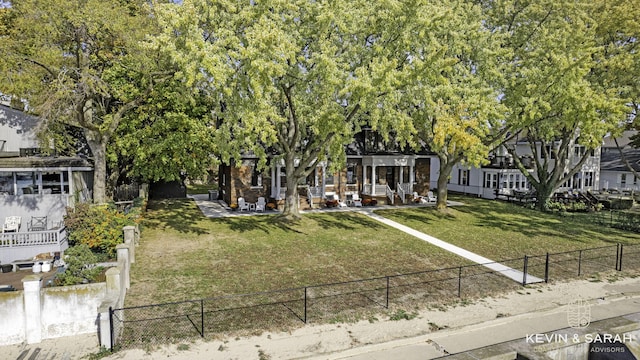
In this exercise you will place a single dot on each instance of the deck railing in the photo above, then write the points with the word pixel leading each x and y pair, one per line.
pixel 33 238
pixel 401 193
pixel 390 193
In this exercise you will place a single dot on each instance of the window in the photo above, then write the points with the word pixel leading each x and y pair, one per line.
pixel 490 180
pixel 623 180
pixel 588 179
pixel 463 177
pixel 579 151
pixel 511 181
pixel 351 174
pixel 552 154
pixel 6 183
pixel 577 181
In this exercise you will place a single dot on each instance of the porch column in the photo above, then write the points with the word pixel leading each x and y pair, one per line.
pixel 401 174
pixel 364 178
pixel 273 182
pixel 324 176
pixel 39 181
pixel 412 178
pixel 15 184
pixel 373 180
pixel 278 184
pixel 71 189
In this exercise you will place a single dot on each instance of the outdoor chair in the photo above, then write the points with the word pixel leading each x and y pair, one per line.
pixel 356 200
pixel 261 204
pixel 431 197
pixel 38 223
pixel 11 224
pixel 340 202
pixel 242 205
pixel 419 199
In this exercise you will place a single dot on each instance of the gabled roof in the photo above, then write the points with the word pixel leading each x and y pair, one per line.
pixel 610 159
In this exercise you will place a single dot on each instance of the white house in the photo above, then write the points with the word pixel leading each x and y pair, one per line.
pixel 35 186
pixel 614 173
pixel 501 175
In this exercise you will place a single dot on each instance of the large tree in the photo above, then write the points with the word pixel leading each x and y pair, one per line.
pixel 67 60
pixel 452 87
pixel 555 97
pixel 297 77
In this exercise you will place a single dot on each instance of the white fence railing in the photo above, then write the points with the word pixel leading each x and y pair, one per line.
pixel 33 238
pixel 390 193
pixel 401 193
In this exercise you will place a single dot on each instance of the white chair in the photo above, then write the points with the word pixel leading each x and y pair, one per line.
pixel 11 224
pixel 431 197
pixel 261 205
pixel 356 200
pixel 242 205
pixel 419 199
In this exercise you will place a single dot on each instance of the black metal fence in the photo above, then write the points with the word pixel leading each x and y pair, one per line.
pixel 170 322
pixel 624 220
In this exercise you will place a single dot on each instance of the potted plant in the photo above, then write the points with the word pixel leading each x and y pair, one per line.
pixel 233 207
pixel 271 206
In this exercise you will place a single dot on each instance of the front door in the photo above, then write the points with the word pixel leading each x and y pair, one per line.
pixel 391 178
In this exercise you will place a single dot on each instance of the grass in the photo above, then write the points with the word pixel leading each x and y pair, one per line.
pixel 193 189
pixel 184 255
pixel 500 230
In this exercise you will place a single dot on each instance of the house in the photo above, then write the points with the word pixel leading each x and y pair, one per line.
pixel 500 175
pixel 33 184
pixel 614 173
pixel 374 170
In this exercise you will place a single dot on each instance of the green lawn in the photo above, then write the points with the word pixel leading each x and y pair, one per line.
pixel 500 230
pixel 193 189
pixel 184 255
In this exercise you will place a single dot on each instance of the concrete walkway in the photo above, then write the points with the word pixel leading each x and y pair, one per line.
pixel 217 209
pixel 511 273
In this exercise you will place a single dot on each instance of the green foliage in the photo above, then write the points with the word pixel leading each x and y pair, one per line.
pixel 97 226
pixel 80 266
pixel 616 203
pixel 77 63
pixel 402 315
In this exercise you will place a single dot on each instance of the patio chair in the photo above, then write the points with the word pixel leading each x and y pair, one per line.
pixel 242 205
pixel 419 199
pixel 356 200
pixel 37 223
pixel 340 202
pixel 431 197
pixel 11 224
pixel 261 204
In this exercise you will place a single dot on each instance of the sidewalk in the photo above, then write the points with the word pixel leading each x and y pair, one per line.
pixel 537 309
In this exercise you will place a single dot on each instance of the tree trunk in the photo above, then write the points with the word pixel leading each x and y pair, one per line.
pixel 99 150
pixel 443 179
pixel 543 194
pixel 291 209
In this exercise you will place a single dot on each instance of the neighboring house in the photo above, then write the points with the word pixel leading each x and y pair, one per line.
pixel 614 173
pixel 501 176
pixel 373 170
pixel 34 185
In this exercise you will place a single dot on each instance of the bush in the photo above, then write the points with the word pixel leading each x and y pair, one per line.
pixel 616 203
pixel 80 266
pixel 97 226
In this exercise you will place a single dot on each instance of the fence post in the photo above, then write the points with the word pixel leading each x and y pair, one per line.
pixel 305 304
pixel 387 293
pixel 621 252
pixel 524 270
pixel 111 338
pixel 546 269
pixel 579 262
pixel 617 257
pixel 460 281
pixel 202 317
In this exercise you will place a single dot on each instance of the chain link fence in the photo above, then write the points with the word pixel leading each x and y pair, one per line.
pixel 284 309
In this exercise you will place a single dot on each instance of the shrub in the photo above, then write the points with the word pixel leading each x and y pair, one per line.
pixel 98 226
pixel 80 266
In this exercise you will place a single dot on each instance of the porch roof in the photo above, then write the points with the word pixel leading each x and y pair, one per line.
pixel 37 162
